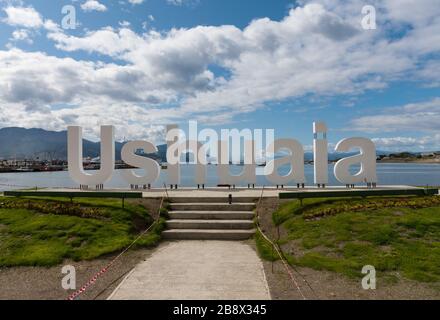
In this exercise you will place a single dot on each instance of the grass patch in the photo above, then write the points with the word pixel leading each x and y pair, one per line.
pixel 399 236
pixel 36 232
pixel 265 248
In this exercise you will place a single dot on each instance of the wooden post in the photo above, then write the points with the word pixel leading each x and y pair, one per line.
pixel 272 259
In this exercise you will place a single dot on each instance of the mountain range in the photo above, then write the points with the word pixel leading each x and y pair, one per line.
pixel 21 143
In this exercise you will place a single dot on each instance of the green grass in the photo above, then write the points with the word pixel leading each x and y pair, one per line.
pixel 399 236
pixel 264 248
pixel 29 235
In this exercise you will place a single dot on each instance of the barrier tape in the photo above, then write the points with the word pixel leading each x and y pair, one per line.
pixel 15 185
pixel 95 278
pixel 30 187
pixel 292 278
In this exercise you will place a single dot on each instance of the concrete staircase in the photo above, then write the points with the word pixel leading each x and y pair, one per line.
pixel 210 219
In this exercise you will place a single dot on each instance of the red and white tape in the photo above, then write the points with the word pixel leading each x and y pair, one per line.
pixel 93 280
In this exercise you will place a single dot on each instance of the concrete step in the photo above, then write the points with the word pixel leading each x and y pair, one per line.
pixel 198 234
pixel 211 224
pixel 246 206
pixel 212 215
pixel 213 199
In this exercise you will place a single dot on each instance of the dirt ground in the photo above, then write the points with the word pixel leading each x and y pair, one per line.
pixel 325 285
pixel 37 283
pixel 322 285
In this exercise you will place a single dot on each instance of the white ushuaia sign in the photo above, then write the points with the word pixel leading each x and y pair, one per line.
pixel 244 147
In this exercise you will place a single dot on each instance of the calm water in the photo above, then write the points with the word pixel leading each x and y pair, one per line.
pixel 388 174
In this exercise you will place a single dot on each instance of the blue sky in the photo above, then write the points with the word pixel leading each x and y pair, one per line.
pixel 228 64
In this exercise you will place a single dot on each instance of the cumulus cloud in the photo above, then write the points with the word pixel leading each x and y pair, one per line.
pixel 93 5
pixel 425 143
pixel 419 117
pixel 26 17
pixel 22 35
pixel 124 24
pixel 136 1
pixel 415 12
pixel 264 53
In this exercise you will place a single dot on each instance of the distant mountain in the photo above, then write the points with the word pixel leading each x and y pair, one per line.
pixel 23 143
pixel 20 143
pixel 162 152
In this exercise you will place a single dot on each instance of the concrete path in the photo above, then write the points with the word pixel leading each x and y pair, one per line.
pixel 197 270
pixel 269 192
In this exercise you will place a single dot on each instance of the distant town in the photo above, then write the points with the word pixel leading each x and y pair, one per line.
pixel 38 150
pixel 38 165
pixel 403 157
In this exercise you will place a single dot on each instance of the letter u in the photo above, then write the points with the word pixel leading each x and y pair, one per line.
pixel 75 156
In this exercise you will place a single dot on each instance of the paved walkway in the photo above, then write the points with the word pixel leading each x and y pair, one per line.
pixel 197 270
pixel 269 192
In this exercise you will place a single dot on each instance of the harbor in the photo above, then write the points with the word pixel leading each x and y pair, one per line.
pixel 411 174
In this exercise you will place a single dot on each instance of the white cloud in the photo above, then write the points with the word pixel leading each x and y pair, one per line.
pixel 419 117
pixel 176 2
pixel 51 26
pixel 105 41
pixel 181 58
pixel 312 50
pixel 26 17
pixel 22 35
pixel 180 3
pixel 124 24
pixel 136 1
pixel 86 93
pixel 425 143
pixel 93 5
pixel 418 12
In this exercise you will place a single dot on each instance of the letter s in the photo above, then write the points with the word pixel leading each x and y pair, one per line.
pixel 151 167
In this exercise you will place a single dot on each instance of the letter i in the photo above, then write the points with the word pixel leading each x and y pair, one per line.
pixel 320 154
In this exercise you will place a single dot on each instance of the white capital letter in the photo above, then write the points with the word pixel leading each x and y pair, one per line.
pixel 173 139
pixel 75 156
pixel 320 153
